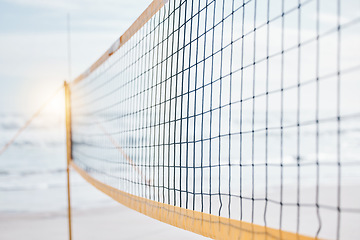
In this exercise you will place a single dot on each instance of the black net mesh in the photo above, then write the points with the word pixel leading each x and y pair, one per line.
pixel 243 109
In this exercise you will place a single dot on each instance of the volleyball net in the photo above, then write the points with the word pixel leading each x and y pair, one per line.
pixel 231 119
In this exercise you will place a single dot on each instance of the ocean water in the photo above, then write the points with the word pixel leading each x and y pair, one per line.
pixel 33 169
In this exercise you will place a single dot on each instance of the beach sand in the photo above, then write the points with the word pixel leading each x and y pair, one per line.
pixel 106 223
pixel 41 214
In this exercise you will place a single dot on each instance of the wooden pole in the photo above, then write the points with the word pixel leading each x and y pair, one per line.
pixel 68 148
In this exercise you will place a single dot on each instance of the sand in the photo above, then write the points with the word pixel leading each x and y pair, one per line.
pixel 106 223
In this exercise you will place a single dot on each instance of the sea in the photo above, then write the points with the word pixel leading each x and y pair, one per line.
pixel 33 169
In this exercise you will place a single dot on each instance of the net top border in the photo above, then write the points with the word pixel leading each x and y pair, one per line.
pixel 149 12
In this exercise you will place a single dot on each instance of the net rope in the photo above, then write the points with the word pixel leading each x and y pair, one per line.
pixel 246 110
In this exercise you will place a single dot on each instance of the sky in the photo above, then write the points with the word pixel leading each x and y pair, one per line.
pixel 33 44
pixel 33 41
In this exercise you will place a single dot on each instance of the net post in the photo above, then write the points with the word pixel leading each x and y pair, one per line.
pixel 68 148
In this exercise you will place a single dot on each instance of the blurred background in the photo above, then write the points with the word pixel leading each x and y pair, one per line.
pixel 33 64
